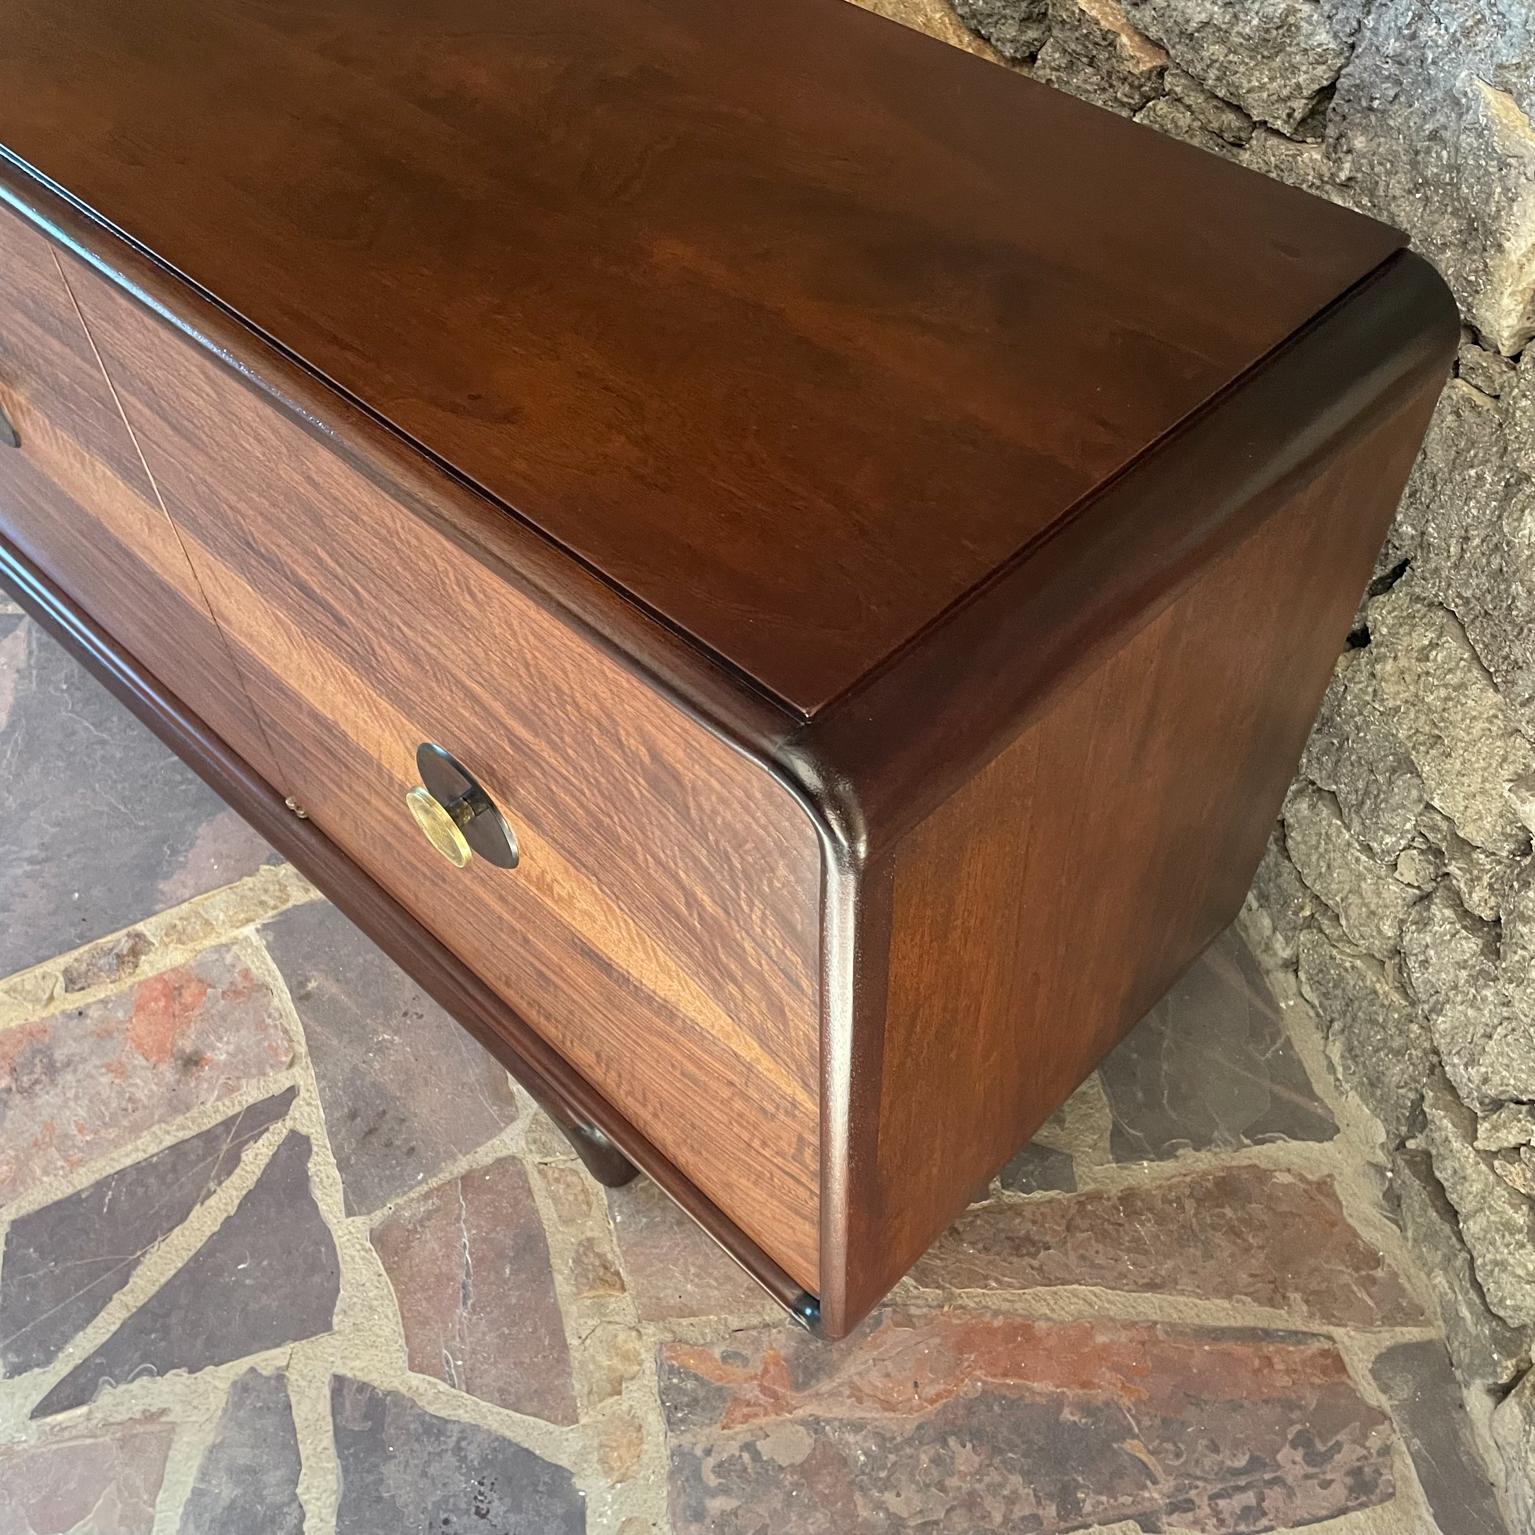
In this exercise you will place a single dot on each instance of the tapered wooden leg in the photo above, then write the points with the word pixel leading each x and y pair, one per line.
pixel 601 1158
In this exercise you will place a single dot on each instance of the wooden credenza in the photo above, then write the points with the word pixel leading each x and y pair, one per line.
pixel 781 570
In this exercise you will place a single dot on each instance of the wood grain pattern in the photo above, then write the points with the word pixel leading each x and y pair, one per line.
pixel 1043 909
pixel 76 499
pixel 662 927
pixel 708 293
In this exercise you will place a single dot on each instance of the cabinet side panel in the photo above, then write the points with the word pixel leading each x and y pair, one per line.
pixel 1043 908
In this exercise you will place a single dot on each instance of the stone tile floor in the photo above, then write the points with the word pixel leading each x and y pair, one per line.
pixel 283 1250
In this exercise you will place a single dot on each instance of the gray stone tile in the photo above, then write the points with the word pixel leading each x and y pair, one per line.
pixel 405 1469
pixel 63 1263
pixel 1210 1068
pixel 268 1276
pixel 672 1268
pixel 247 1483
pixel 1038 1169
pixel 100 825
pixel 1425 1399
pixel 103 1481
pixel 78 1085
pixel 404 1090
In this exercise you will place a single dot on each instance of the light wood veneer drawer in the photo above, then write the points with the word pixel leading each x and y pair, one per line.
pixel 662 926
pixel 75 497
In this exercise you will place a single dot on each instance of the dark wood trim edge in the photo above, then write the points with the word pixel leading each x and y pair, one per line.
pixel 547 1076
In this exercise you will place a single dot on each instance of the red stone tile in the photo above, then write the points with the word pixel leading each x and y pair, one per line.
pixel 83 1083
pixel 964 1422
pixel 671 1267
pixel 102 1483
pixel 1243 1233
pixel 469 1263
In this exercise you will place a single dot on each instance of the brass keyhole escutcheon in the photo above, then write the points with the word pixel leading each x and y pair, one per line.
pixel 455 814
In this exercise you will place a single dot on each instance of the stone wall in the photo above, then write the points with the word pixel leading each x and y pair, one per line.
pixel 1399 891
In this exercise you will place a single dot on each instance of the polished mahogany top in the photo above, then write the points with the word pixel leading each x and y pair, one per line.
pixel 794 325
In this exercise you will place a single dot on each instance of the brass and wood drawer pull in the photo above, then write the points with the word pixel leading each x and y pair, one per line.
pixel 455 814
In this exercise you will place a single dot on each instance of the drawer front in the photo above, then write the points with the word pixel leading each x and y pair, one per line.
pixel 662 926
pixel 76 501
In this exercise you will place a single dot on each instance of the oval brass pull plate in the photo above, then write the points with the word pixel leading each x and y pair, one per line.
pixel 455 814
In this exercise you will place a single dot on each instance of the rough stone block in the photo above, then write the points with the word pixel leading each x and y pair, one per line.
pixel 1517 1170
pixel 1368 900
pixel 1498 1222
pixel 1476 994
pixel 1015 28
pixel 1490 372
pixel 1431 115
pixel 1225 120
pixel 1354 752
pixel 1513 1428
pixel 1170 116
pixel 1380 1043
pixel 1504 1129
pixel 1096 52
pixel 1481 879
pixel 1487 1352
pixel 1278 907
pixel 1466 523
pixel 934 17
pixel 1273 60
pixel 1450 718
pixel 1453 491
